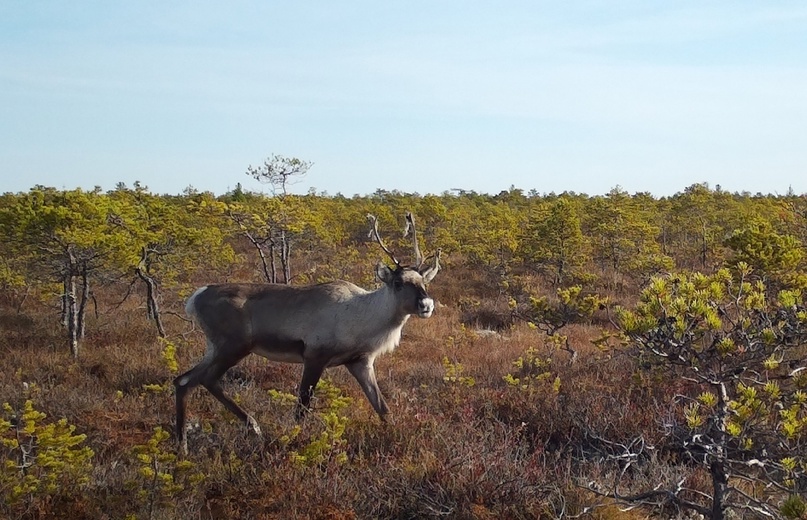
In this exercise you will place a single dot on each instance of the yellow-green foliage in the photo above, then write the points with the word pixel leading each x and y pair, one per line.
pixel 759 245
pixel 9 278
pixel 40 458
pixel 737 345
pixel 794 508
pixel 532 371
pixel 285 435
pixel 328 446
pixel 793 422
pixel 553 239
pixel 694 304
pixel 465 336
pixel 161 475
pixel 571 305
pixel 454 373
pixel 169 356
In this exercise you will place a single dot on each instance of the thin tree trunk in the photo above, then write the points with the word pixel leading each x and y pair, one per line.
pixel 261 254
pixel 65 290
pixel 70 314
pixel 284 257
pixel 238 219
pixel 152 307
pixel 82 306
pixel 72 317
pixel 151 301
pixel 24 297
pixel 272 261
pixel 266 273
pixel 561 269
pixel 704 248
pixel 718 468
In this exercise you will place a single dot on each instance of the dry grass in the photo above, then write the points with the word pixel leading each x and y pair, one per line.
pixel 451 450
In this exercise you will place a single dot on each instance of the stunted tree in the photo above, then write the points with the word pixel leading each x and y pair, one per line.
pixel 66 236
pixel 487 231
pixel 775 256
pixel 570 305
pixel 161 239
pixel 280 172
pixel 734 359
pixel 274 229
pixel 693 230
pixel 623 237
pixel 253 221
pixel 554 242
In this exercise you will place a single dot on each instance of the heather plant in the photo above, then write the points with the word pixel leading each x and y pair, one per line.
pixel 42 461
pixel 458 343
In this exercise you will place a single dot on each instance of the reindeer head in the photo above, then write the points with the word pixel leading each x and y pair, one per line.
pixel 407 283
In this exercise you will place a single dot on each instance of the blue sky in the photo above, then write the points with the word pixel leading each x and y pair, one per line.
pixel 415 96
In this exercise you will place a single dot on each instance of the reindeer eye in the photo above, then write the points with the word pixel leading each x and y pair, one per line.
pixel 397 284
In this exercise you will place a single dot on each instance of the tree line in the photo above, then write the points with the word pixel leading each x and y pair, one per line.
pixel 62 243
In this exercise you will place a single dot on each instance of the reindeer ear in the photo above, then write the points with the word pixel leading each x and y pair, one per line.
pixel 383 273
pixel 429 273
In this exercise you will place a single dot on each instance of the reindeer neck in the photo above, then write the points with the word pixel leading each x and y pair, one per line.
pixel 383 304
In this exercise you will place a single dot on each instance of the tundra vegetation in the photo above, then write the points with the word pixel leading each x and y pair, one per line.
pixel 607 356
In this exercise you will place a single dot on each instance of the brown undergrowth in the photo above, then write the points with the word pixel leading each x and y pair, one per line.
pixel 463 442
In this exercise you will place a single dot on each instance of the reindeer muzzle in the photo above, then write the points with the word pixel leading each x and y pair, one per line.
pixel 425 307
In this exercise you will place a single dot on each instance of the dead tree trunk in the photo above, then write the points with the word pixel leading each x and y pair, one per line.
pixel 285 247
pixel 717 468
pixel 65 290
pixel 82 305
pixel 72 316
pixel 152 306
pixel 272 253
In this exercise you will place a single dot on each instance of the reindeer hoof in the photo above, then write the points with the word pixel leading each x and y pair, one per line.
pixel 300 412
pixel 254 425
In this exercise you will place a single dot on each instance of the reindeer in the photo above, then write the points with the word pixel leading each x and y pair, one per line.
pixel 319 326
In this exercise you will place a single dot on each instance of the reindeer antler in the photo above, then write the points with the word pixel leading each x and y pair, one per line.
pixel 437 257
pixel 374 235
pixel 410 225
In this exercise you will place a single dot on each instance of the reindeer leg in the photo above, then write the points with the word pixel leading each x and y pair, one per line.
pixel 211 383
pixel 312 372
pixel 364 372
pixel 182 384
pixel 217 392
